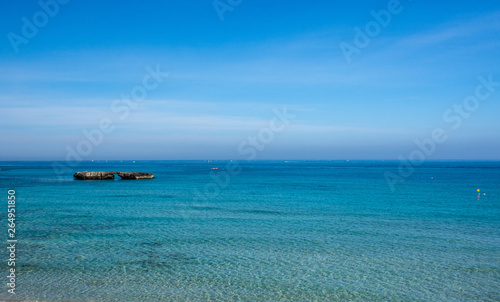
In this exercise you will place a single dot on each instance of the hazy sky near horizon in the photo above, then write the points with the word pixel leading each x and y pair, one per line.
pixel 226 78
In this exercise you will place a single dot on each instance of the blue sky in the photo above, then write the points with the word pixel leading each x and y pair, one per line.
pixel 226 78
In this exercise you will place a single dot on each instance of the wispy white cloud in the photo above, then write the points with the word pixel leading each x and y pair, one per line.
pixel 455 30
pixel 60 119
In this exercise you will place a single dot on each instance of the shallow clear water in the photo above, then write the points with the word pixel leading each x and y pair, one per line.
pixel 279 231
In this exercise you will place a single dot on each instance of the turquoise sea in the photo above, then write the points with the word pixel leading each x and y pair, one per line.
pixel 277 231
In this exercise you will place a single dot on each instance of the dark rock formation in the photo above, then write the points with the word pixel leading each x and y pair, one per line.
pixel 135 175
pixel 86 175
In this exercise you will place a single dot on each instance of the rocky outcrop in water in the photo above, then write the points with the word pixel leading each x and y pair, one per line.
pixel 86 175
pixel 135 175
